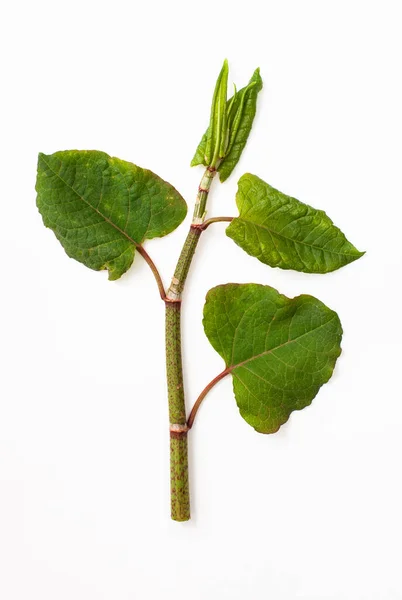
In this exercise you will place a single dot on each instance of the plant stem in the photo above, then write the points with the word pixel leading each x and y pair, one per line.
pixel 180 496
pixel 179 493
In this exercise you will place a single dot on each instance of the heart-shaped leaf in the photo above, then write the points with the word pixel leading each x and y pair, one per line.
pixel 283 232
pixel 102 208
pixel 280 351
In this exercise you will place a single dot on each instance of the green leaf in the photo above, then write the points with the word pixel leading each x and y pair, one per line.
pixel 235 113
pixel 216 134
pixel 101 208
pixel 199 156
pixel 244 108
pixel 240 111
pixel 280 351
pixel 283 232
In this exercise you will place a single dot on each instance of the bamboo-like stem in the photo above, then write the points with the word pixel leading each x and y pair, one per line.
pixel 180 496
pixel 197 403
pixel 179 492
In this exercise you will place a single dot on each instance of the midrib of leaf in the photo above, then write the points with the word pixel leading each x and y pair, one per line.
pixel 230 368
pixel 130 239
pixel 273 232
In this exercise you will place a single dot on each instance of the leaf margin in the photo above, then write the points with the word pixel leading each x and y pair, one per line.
pixel 208 314
pixel 116 266
pixel 234 230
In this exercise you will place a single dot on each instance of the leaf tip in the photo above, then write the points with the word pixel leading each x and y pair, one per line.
pixel 41 156
pixel 356 255
pixel 113 274
pixel 257 78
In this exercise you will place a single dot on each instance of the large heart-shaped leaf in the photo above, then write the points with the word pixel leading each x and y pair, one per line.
pixel 101 208
pixel 280 351
pixel 283 232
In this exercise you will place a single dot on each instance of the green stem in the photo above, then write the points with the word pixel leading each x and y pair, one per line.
pixel 202 196
pixel 180 496
pixel 179 493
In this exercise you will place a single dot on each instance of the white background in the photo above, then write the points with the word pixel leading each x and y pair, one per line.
pixel 313 512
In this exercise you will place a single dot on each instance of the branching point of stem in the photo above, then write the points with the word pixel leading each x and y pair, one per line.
pixel 208 222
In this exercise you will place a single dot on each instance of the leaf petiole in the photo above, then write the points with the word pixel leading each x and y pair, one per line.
pixel 209 222
pixel 208 388
pixel 141 250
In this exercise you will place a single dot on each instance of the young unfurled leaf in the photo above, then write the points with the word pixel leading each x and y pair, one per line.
pixel 217 132
pixel 199 156
pixel 280 351
pixel 101 208
pixel 283 232
pixel 243 111
pixel 240 112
